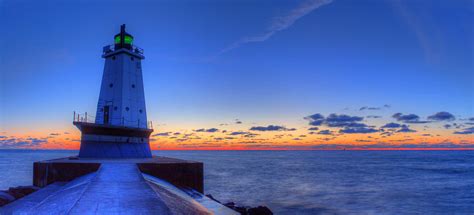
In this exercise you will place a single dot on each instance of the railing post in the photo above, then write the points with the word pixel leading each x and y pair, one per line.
pixel 74 116
pixel 86 116
pixel 139 123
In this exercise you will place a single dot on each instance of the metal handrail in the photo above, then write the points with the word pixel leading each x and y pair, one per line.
pixel 111 48
pixel 85 118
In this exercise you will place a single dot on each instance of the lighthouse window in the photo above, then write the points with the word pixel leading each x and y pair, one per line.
pixel 128 39
pixel 133 85
pixel 111 85
pixel 132 58
pixel 115 108
pixel 127 109
pixel 117 39
pixel 141 111
pixel 113 57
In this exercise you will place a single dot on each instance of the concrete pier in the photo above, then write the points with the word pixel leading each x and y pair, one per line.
pixel 180 173
pixel 117 187
pixel 103 193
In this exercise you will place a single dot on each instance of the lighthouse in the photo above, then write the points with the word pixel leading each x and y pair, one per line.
pixel 120 128
pixel 115 172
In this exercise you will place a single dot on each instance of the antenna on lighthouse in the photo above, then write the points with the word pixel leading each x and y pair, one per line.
pixel 122 34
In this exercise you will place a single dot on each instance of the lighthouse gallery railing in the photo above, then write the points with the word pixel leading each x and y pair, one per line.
pixel 87 118
pixel 111 48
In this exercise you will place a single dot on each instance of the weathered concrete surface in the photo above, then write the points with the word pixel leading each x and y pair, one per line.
pixel 116 188
pixel 173 197
pixel 56 200
pixel 180 173
pixel 186 175
pixel 47 172
pixel 32 200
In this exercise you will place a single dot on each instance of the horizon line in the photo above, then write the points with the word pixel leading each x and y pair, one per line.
pixel 270 149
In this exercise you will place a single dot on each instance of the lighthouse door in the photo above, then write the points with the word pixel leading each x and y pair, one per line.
pixel 106 114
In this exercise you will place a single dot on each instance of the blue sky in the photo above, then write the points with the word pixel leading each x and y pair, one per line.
pixel 266 62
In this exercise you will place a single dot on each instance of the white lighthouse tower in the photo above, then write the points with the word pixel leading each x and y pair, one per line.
pixel 122 98
pixel 121 128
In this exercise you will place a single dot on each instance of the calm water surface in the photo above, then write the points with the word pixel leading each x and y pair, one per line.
pixel 315 182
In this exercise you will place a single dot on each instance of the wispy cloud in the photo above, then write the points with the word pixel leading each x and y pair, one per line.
pixel 280 23
pixel 428 35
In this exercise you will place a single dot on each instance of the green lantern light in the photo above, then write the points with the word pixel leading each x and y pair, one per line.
pixel 128 39
pixel 117 39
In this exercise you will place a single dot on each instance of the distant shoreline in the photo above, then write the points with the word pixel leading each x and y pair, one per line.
pixel 355 149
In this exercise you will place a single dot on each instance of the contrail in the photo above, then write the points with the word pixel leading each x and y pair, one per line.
pixel 280 23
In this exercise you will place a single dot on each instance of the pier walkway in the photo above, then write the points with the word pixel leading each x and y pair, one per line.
pixel 105 193
pixel 116 188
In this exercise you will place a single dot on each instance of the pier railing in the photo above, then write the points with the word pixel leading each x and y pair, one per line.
pixel 87 118
pixel 111 48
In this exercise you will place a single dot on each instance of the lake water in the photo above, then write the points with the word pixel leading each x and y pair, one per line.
pixel 314 182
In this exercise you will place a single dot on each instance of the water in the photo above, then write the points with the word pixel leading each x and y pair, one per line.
pixel 315 182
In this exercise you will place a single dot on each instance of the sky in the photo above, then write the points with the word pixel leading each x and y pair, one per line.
pixel 283 75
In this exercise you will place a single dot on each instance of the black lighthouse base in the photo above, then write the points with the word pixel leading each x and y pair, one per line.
pixel 108 141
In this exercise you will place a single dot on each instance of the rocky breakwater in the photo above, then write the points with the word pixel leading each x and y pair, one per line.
pixel 14 193
pixel 245 210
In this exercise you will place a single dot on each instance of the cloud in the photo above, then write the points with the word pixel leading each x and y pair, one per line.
pixel 358 130
pixel 22 143
pixel 373 108
pixel 442 116
pixel 348 124
pixel 408 118
pixel 55 134
pixel 334 120
pixel 279 23
pixel 382 145
pixel 325 132
pixel 163 134
pixel 447 126
pixel 245 133
pixel 313 129
pixel 237 121
pixel 210 130
pixel 406 129
pixel 271 128
pixel 369 108
pixel 392 125
pixel 428 35
pixel 374 116
pixel 363 141
pixel 469 130
pixel 315 119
